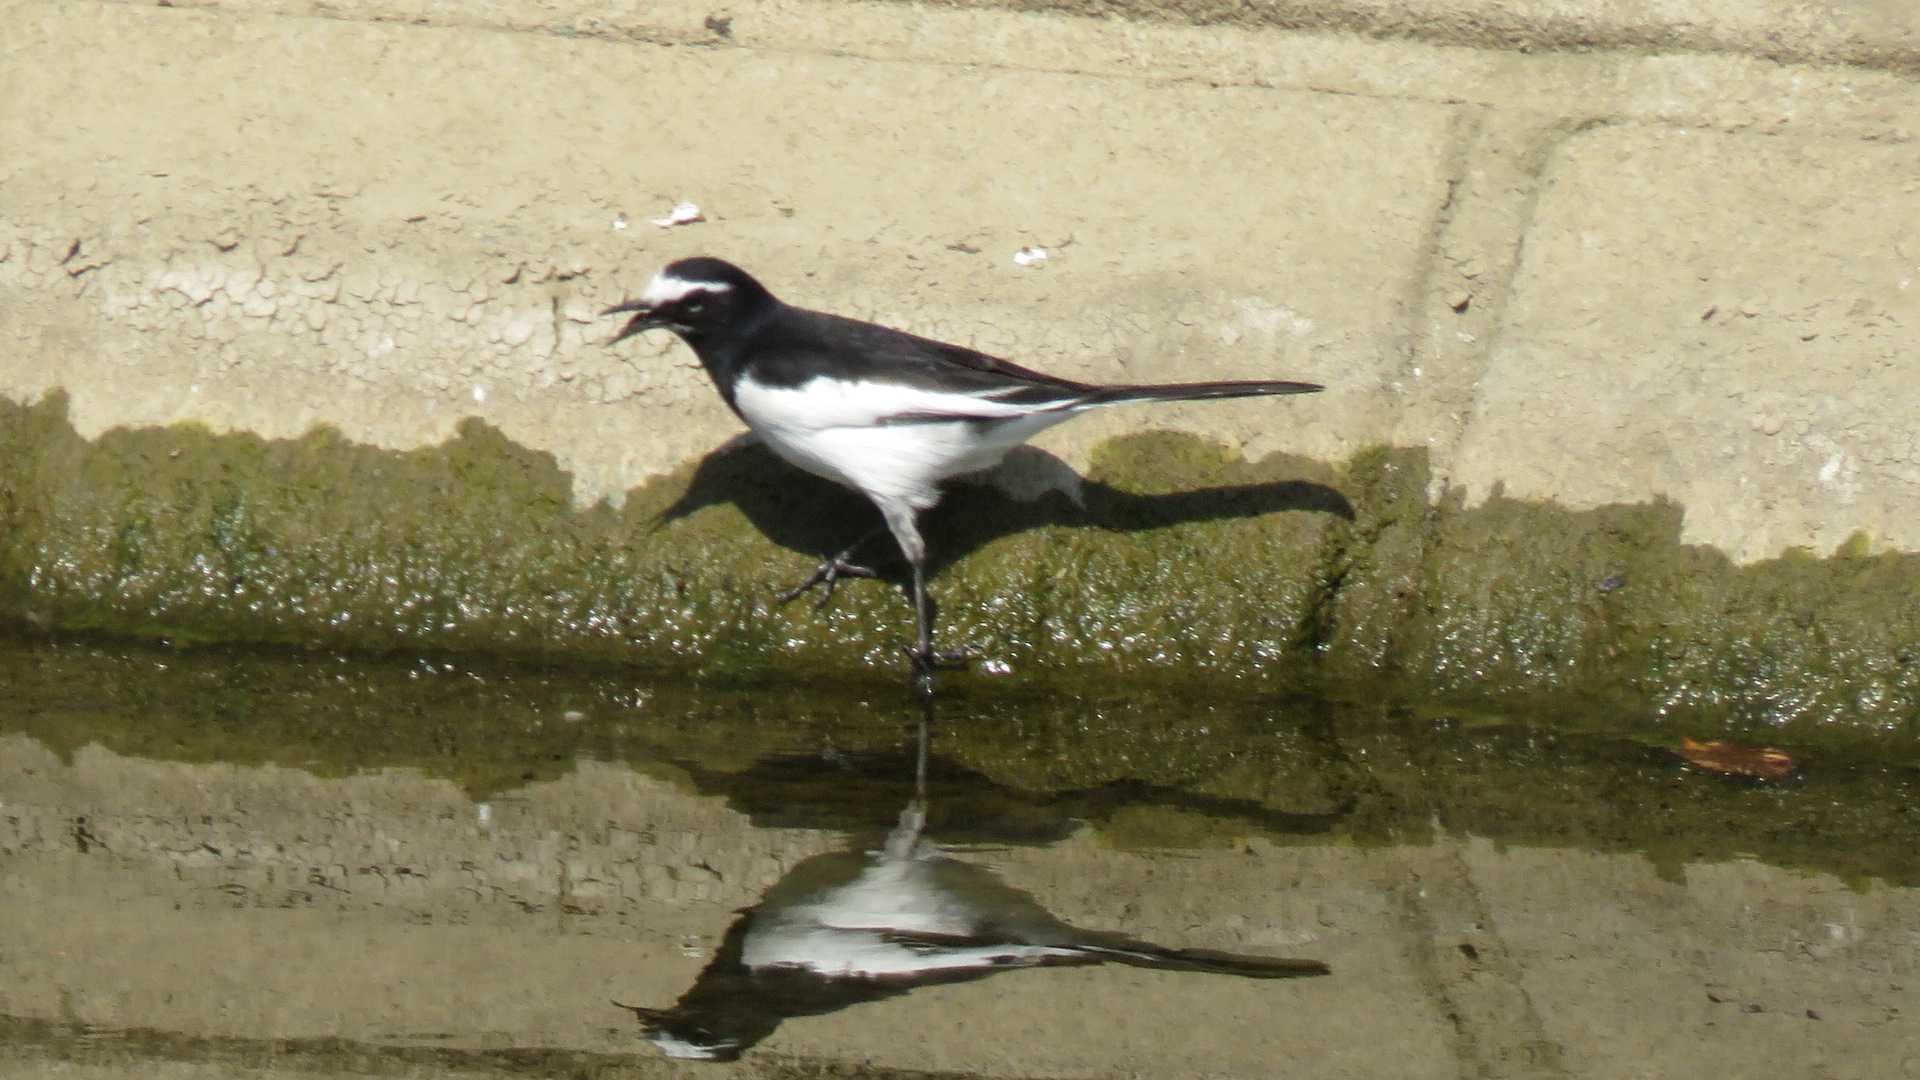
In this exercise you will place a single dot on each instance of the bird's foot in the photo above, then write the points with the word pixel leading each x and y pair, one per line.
pixel 927 660
pixel 825 577
pixel 938 659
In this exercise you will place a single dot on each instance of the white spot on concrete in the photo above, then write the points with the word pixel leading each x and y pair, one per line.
pixel 518 331
pixel 1262 316
pixel 1030 256
pixel 479 394
pixel 684 213
pixel 241 280
pixel 1839 474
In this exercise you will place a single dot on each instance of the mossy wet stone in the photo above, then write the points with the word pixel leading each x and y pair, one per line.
pixel 473 544
pixel 1610 604
pixel 1172 558
pixel 1174 555
pixel 1372 569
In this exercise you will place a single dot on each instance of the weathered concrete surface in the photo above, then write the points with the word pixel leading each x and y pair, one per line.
pixel 396 268
pixel 384 240
pixel 1763 379
pixel 1677 275
pixel 1873 32
pixel 219 916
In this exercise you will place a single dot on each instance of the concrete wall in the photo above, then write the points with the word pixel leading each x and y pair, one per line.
pixel 1681 268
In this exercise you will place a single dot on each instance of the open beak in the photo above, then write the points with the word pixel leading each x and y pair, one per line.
pixel 642 320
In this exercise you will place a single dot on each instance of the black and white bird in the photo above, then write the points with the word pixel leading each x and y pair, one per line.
pixel 884 412
pixel 846 928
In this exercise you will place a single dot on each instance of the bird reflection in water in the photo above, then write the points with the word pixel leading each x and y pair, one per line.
pixel 850 927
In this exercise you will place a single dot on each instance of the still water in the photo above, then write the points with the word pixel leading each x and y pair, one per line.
pixel 220 860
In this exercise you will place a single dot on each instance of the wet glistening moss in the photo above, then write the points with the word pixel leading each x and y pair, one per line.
pixel 1174 561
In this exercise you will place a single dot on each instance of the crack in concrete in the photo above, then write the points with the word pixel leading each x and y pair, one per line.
pixel 1473 983
pixel 1517 201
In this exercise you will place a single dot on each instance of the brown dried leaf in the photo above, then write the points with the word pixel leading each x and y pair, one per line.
pixel 1732 759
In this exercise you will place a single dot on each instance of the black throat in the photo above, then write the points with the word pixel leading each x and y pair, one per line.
pixel 725 351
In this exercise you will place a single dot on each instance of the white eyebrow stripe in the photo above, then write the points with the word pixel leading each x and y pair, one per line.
pixel 665 289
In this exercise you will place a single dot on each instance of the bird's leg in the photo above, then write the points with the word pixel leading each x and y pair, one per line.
pixel 899 517
pixel 925 660
pixel 922 616
pixel 830 572
pixel 913 820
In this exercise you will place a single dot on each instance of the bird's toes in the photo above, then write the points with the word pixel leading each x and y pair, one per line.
pixel 788 596
pixel 825 578
pixel 938 659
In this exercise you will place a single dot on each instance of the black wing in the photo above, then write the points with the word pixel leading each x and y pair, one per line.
pixel 804 344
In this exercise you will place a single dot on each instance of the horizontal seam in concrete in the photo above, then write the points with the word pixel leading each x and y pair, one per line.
pixel 1493 25
pixel 662 37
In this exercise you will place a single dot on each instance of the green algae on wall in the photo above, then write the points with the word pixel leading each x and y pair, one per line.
pixel 1608 603
pixel 1171 559
pixel 473 545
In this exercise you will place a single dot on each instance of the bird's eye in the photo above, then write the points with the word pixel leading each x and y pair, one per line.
pixel 694 307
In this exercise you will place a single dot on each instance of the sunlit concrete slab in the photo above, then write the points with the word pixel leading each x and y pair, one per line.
pixel 396 226
pixel 1721 319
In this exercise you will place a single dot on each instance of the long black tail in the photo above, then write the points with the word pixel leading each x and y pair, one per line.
pixel 1125 950
pixel 1077 946
pixel 1197 391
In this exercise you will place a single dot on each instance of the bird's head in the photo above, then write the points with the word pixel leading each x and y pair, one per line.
pixel 683 1036
pixel 695 298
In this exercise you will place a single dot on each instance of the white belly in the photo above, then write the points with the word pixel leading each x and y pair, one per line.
pixel 837 430
pixel 853 931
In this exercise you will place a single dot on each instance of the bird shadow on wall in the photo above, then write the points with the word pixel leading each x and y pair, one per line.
pixel 1031 489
